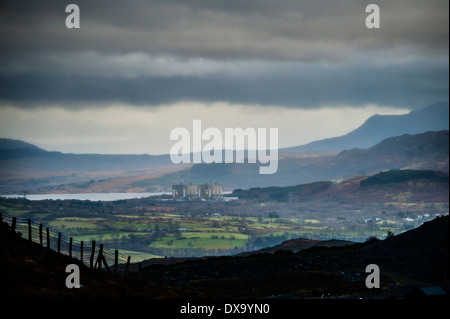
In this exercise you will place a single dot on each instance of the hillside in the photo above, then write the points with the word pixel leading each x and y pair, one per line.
pixel 419 257
pixel 296 245
pixel 421 151
pixel 318 271
pixel 33 158
pixel 420 254
pixel 8 145
pixel 31 271
pixel 25 167
pixel 399 176
pixel 420 185
pixel 434 117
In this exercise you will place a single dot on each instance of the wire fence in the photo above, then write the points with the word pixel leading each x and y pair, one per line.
pixel 90 253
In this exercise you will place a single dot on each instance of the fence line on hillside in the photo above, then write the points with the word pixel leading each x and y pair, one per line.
pixel 92 254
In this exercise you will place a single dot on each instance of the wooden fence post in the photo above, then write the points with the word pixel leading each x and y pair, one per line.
pixel 103 259
pixel 29 229
pixel 59 242
pixel 99 258
pixel 128 265
pixel 139 272
pixel 70 247
pixel 81 251
pixel 91 263
pixel 116 261
pixel 48 237
pixel 40 234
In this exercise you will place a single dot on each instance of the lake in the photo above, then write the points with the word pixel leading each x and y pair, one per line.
pixel 89 196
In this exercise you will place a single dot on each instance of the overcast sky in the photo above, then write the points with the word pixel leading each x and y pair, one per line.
pixel 135 70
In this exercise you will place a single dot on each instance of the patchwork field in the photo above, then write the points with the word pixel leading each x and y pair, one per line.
pixel 151 231
pixel 163 232
pixel 262 217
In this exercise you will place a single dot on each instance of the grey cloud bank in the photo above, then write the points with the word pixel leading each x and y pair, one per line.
pixel 290 30
pixel 287 53
pixel 258 54
pixel 288 85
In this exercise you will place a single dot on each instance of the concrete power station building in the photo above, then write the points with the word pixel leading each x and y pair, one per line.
pixel 204 191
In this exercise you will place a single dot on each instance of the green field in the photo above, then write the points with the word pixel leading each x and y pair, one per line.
pixel 137 256
pixel 203 240
pixel 159 233
pixel 150 228
pixel 170 231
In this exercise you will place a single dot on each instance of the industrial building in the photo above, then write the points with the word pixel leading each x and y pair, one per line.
pixel 191 191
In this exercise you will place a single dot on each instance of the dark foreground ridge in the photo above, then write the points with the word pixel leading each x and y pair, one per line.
pixel 414 259
pixel 31 271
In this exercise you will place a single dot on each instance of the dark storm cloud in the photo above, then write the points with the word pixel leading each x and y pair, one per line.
pixel 282 29
pixel 410 85
pixel 289 53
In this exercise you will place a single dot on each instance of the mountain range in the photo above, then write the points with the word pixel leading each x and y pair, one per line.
pixel 427 151
pixel 418 140
pixel 434 117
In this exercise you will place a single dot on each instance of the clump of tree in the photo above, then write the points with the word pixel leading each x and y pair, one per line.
pixel 399 176
pixel 281 194
pixel 372 239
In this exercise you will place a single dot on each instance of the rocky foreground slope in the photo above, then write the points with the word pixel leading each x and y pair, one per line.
pixel 416 258
pixel 419 257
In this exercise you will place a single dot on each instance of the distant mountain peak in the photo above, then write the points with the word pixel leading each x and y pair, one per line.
pixel 439 105
pixel 10 144
pixel 376 128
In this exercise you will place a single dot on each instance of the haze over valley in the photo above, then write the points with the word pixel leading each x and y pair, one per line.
pixel 317 134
